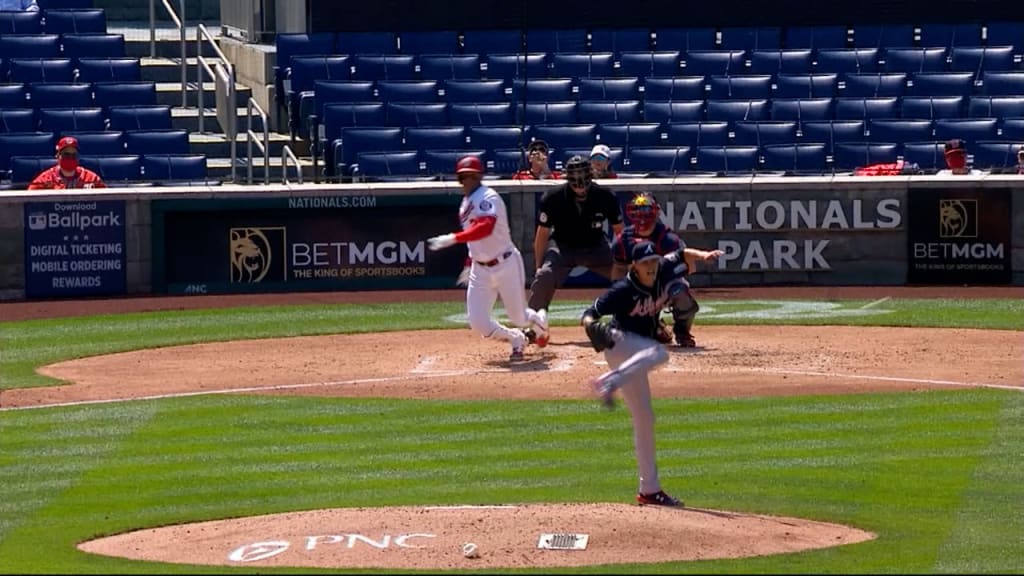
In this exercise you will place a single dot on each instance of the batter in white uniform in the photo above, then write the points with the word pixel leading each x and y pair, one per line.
pixel 496 266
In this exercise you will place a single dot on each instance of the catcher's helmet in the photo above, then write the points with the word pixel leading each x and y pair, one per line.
pixel 577 170
pixel 469 164
pixel 642 211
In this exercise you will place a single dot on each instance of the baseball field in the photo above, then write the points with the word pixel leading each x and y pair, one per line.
pixel 812 431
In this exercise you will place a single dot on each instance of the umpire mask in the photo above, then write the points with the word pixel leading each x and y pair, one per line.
pixel 577 173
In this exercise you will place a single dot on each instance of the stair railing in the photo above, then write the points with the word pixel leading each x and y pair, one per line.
pixel 287 158
pixel 179 22
pixel 223 76
pixel 253 138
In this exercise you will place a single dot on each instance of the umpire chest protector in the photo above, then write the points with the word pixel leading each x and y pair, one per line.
pixel 579 224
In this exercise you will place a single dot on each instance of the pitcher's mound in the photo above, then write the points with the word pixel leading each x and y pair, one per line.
pixel 433 537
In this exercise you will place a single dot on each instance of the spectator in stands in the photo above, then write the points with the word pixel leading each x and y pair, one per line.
pixel 956 159
pixel 67 174
pixel 539 169
pixel 600 162
pixel 1020 160
pixel 19 6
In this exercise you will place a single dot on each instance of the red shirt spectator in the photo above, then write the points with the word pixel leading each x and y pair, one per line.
pixel 67 174
pixel 601 162
pixel 537 154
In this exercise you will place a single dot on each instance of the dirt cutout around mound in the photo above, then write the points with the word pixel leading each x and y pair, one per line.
pixel 506 537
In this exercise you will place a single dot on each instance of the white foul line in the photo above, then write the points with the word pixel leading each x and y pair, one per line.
pixel 890 379
pixel 876 303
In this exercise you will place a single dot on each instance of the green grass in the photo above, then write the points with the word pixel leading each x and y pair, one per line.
pixel 939 476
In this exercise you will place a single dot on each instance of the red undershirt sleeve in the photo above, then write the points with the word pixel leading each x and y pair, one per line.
pixel 480 228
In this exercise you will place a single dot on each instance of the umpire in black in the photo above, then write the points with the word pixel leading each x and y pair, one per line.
pixel 570 231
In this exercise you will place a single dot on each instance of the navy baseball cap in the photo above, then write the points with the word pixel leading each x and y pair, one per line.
pixel 643 251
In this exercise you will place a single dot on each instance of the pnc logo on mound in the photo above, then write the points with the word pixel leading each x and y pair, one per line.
pixel 257 255
pixel 258 551
pixel 958 218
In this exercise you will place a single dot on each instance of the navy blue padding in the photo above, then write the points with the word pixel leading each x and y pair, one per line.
pixel 948 35
pixel 549 113
pixel 672 89
pixel 989 154
pixel 727 159
pixel 32 70
pixel 14 22
pixel 648 64
pixel 1003 84
pixel 713 62
pixel 356 140
pixel 300 44
pixel 620 40
pixel 808 158
pixel 506 161
pixel 969 130
pixel 582 65
pixel 884 36
pixel 64 4
pixel 932 107
pixel 829 132
pixel 850 155
pixel 17 120
pixel 505 66
pixel 120 168
pixel 80 21
pixel 630 134
pixel 864 108
pixel 685 39
pixel 599 111
pixel 437 138
pixel 61 120
pixel 475 91
pixel 100 142
pixel 411 114
pixel 108 94
pixel 146 142
pixel 899 130
pixel 180 167
pixel 978 59
pixel 740 87
pixel 93 45
pixel 559 137
pixel 366 43
pixel 848 60
pixel 494 137
pixel 306 70
pixel 30 46
pixel 383 67
pixel 794 61
pixel 449 66
pixel 697 134
pixel 762 133
pixel 13 96
pixel 543 90
pixel 24 169
pixel 407 90
pixel 429 42
pixel 817 37
pixel 1004 33
pixel 673 110
pixel 735 110
pixel 806 85
pixel 334 91
pixel 609 88
pixel 376 164
pixel 873 85
pixel 996 107
pixel 482 114
pixel 751 38
pixel 658 160
pixel 941 84
pixel 25 144
pixel 60 95
pixel 802 109
pixel 1012 128
pixel 442 162
pixel 555 41
pixel 156 117
pixel 109 70
pixel 927 155
pixel 492 41
pixel 914 60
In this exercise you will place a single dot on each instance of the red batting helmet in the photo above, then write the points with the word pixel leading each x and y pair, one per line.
pixel 642 211
pixel 469 164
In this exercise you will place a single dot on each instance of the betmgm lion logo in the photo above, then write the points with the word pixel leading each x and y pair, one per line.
pixel 958 218
pixel 257 254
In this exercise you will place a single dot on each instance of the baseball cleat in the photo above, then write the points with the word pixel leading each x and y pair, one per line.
pixel 658 498
pixel 542 335
pixel 518 344
pixel 604 392
pixel 686 341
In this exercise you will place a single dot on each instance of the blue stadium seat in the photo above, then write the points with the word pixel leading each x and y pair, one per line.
pixel 932 107
pixel 982 59
pixel 847 108
pixel 695 134
pixel 648 64
pixel 685 39
pixel 673 110
pixel 115 170
pixel 941 84
pixel 802 109
pixel 366 43
pixel 60 96
pixel 848 60
pixel 109 70
pixel 817 37
pixel 351 115
pixel 629 135
pixel 543 90
pixel 794 61
pixel 617 156
pixel 598 111
pixel 61 120
pixel 17 120
pixel 32 70
pixel 762 133
pixel 429 42
pixel 1011 129
pixel 713 62
pixel 883 36
pixel 13 96
pixel 727 159
pixel 146 142
pixel 735 110
pixel 751 38
pixel 383 67
pixel 492 41
pixel 672 89
pixel 495 137
pixel 297 44
pixel 30 46
pixel 306 70
pixel 949 35
pixel 850 155
pixel 24 169
pixel 475 91
pixel 412 114
pixel 14 22
pixel 1003 84
pixel 549 113
pixel 560 137
pixel 582 65
pixel 166 168
pixel 1004 33
pixel 996 107
pixel 873 85
pixel 806 85
pixel 388 165
pixel 830 132
pixel 107 94
pixel 506 161
pixel 335 91
pixel 914 60
pixel 25 144
pixel 93 45
pixel 100 142
pixel 81 21
pixel 442 162
pixel 896 130
pixel 803 159
pixel 970 130
pixel 482 114
pixel 449 66
pixel 407 91
pixel 620 40
pixel 662 160
pixel 555 41
pixel 504 66
pixel 609 89
pixel 352 141
pixel 751 87
pixel 140 117
pixel 435 138
pixel 989 155
pixel 45 5
pixel 927 155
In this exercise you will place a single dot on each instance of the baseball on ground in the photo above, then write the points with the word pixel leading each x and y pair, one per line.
pixel 469 550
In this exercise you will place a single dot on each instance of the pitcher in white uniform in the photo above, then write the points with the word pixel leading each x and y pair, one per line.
pixel 496 266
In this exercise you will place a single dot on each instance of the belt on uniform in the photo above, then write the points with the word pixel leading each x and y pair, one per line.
pixel 496 261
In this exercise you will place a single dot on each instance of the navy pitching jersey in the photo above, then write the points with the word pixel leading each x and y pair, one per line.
pixel 635 307
pixel 665 241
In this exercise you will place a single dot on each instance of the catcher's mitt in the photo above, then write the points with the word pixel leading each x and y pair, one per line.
pixel 664 334
pixel 602 336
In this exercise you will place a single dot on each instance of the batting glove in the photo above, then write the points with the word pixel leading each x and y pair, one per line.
pixel 440 242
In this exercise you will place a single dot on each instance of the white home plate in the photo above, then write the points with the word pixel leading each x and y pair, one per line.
pixel 563 541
